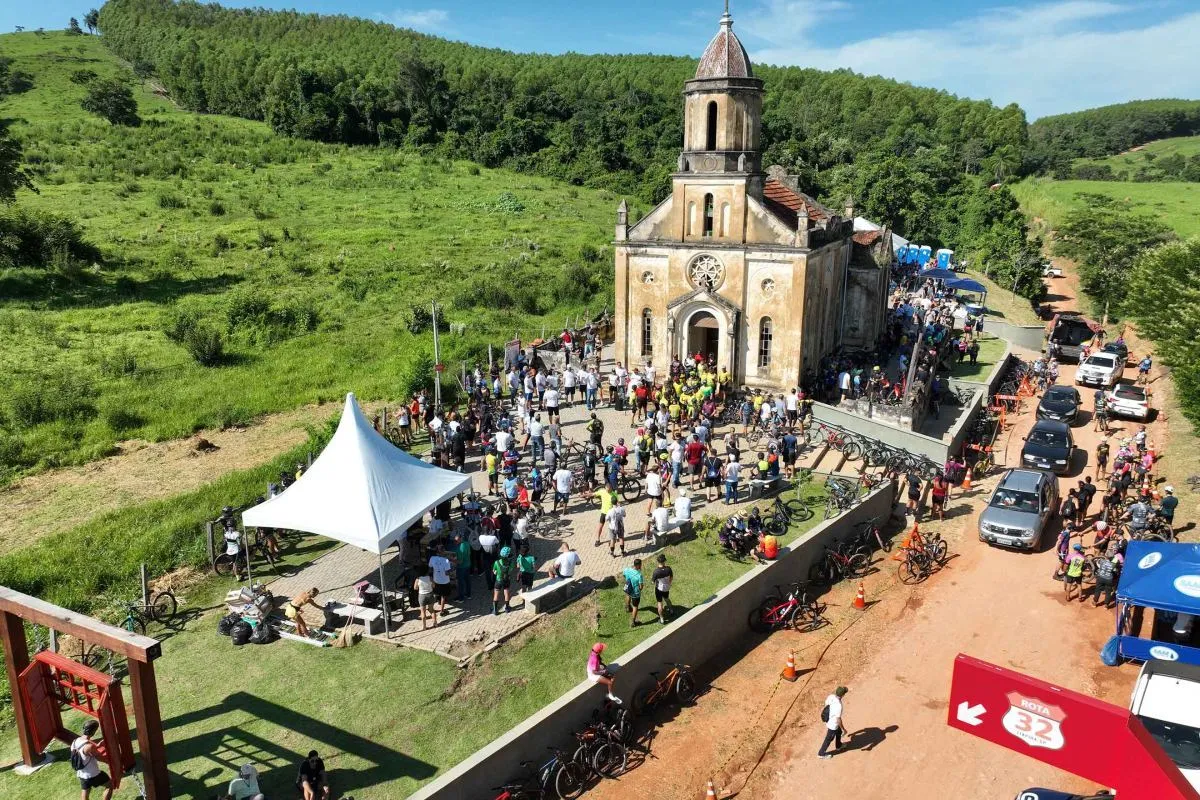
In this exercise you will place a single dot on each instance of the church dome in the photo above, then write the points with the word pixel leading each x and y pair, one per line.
pixel 724 57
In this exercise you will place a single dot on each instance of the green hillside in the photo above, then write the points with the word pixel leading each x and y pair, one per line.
pixel 1109 130
pixel 1175 159
pixel 304 257
pixel 1176 204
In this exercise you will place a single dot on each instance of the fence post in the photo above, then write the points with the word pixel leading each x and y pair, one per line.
pixel 145 588
pixel 212 557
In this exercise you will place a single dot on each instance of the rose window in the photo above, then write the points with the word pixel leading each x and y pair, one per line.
pixel 705 272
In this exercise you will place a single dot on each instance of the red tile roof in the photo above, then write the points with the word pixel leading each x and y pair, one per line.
pixel 724 57
pixel 868 238
pixel 785 202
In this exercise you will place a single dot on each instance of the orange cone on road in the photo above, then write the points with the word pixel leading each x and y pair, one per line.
pixel 712 791
pixel 966 482
pixel 789 671
pixel 860 599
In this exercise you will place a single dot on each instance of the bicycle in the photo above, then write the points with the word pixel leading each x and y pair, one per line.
pixel 838 440
pixel 870 535
pixel 835 565
pixel 679 684
pixel 558 777
pixel 600 751
pixel 784 512
pixel 916 566
pixel 797 609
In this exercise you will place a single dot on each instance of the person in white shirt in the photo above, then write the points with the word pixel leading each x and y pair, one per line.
pixel 567 561
pixel 562 487
pixel 834 727
pixel 683 508
pixel 550 400
pixel 245 785
pixel 503 440
pixel 441 567
pixel 658 524
pixel 89 773
pixel 570 379
pixel 616 526
pixel 653 488
pixel 592 385
pixel 733 471
pixel 651 374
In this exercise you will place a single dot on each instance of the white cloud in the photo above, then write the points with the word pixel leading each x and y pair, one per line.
pixel 1049 58
pixel 430 20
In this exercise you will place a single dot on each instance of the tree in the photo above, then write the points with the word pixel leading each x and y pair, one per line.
pixel 92 20
pixel 113 100
pixel 1105 238
pixel 73 28
pixel 12 175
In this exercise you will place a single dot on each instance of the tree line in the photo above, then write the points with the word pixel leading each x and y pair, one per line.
pixel 917 159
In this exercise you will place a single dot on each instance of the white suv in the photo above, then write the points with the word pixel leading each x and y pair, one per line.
pixel 1100 369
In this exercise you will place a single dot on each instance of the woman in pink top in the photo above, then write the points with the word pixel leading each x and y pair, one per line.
pixel 598 673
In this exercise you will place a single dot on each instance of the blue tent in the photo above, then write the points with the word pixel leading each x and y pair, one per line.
pixel 937 274
pixel 965 285
pixel 1165 577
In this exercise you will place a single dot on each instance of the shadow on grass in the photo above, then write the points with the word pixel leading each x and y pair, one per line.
pixel 229 746
pixel 40 286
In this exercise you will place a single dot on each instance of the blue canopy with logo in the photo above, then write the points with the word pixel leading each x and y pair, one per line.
pixel 1165 577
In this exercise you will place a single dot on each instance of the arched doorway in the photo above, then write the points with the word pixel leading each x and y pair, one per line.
pixel 703 335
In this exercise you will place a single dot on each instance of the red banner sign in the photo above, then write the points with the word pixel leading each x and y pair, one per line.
pixel 1082 735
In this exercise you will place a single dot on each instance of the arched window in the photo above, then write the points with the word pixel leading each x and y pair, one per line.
pixel 691 218
pixel 647 332
pixel 708 215
pixel 710 142
pixel 724 219
pixel 764 343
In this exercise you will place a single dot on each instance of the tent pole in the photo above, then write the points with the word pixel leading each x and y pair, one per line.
pixel 387 625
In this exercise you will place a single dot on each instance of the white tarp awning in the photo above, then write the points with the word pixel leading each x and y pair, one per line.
pixel 361 490
pixel 864 224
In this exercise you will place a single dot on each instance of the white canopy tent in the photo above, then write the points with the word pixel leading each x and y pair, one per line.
pixel 361 490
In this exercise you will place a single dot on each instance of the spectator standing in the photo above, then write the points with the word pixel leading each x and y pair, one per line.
pixel 733 471
pixel 426 597
pixel 616 526
pixel 462 566
pixel 526 567
pixel 941 488
pixel 663 577
pixel 85 761
pixel 633 590
pixel 831 715
pixel 502 570
pixel 562 488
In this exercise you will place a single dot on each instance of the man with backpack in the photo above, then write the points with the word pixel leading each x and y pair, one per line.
pixel 85 762
pixel 831 715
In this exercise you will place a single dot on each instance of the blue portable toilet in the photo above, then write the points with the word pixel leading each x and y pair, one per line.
pixel 926 254
pixel 902 254
pixel 945 257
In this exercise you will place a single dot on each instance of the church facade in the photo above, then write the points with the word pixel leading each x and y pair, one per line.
pixel 737 263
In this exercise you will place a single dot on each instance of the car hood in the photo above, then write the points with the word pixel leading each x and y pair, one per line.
pixel 1057 406
pixel 1008 518
pixel 1045 452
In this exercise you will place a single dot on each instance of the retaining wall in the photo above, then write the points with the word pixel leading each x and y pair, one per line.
pixel 913 442
pixel 697 636
pixel 1029 337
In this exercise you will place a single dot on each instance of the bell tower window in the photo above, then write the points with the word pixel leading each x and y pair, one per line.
pixel 710 141
pixel 708 215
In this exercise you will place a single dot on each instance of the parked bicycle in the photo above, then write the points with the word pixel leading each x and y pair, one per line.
pixel 838 440
pixel 559 777
pixel 679 685
pixel 601 751
pixel 836 564
pixel 799 610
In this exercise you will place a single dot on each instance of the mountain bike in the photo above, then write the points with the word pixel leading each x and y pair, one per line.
pixel 841 441
pixel 797 609
pixel 559 777
pixel 785 512
pixel 834 565
pixel 870 536
pixel 600 751
pixel 679 685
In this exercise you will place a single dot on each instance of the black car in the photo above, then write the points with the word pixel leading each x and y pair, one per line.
pixel 1049 446
pixel 1059 403
pixel 1053 794
pixel 1118 349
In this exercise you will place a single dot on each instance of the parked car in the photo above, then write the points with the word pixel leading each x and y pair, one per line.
pixel 1118 349
pixel 1049 445
pixel 1166 698
pixel 1060 403
pixel 1070 332
pixel 1128 400
pixel 1100 369
pixel 1020 509
pixel 1051 271
pixel 1054 794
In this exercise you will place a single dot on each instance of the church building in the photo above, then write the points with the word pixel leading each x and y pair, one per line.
pixel 739 264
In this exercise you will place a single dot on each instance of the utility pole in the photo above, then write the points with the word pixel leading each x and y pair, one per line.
pixel 437 362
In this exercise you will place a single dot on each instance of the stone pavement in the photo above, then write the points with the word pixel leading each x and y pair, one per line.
pixel 470 626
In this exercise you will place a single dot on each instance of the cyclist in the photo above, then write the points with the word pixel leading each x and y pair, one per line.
pixel 1100 411
pixel 1138 516
pixel 1074 573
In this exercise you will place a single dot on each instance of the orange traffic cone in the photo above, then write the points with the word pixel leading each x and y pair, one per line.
pixel 712 791
pixel 860 599
pixel 966 482
pixel 789 671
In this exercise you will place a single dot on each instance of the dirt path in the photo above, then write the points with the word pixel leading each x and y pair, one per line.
pixel 61 499
pixel 897 657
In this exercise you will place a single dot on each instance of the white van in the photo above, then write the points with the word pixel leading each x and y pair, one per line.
pixel 1166 698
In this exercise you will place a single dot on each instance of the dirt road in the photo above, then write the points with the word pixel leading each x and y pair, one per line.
pixel 896 657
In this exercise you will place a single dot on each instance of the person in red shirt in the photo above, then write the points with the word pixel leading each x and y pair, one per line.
pixel 693 454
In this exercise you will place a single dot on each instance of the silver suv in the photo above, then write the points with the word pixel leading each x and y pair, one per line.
pixel 1020 509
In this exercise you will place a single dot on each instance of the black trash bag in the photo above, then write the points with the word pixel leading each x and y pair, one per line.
pixel 262 634
pixel 241 633
pixel 227 622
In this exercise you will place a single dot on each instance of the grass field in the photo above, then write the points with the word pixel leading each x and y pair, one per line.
pixel 385 719
pixel 1130 161
pixel 305 257
pixel 991 350
pixel 1176 204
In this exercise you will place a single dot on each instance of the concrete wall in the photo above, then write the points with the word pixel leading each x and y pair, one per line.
pixel 913 442
pixel 1029 337
pixel 694 638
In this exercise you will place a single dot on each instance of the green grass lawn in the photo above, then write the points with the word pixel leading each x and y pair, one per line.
pixel 385 719
pixel 220 216
pixel 1176 204
pixel 1147 154
pixel 991 350
pixel 1003 304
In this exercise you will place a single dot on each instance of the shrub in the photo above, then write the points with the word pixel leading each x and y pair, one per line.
pixel 113 100
pixel 31 238
pixel 118 364
pixel 419 319
pixel 83 76
pixel 216 208
pixel 252 316
pixel 203 342
pixel 169 200
pixel 61 395
pixel 121 421
pixel 590 253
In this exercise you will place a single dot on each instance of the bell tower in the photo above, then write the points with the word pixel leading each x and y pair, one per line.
pixel 722 126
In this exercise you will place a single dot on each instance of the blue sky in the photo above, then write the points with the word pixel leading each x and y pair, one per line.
pixel 1050 56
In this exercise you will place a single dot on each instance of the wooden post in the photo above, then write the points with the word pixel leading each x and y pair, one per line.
pixel 145 589
pixel 16 659
pixel 149 729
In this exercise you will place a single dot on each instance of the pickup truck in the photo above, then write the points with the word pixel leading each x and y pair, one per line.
pixel 1070 332
pixel 1166 698
pixel 1100 369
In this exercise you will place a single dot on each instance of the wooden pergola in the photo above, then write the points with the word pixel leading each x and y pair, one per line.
pixel 141 651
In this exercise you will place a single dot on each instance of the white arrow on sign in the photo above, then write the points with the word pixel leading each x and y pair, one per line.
pixel 971 714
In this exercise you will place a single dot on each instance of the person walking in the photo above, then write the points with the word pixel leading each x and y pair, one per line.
pixel 941 488
pixel 663 576
pixel 607 498
pixel 831 715
pixel 440 568
pixel 462 566
pixel 562 487
pixel 502 571
pixel 86 763
pixel 426 597
pixel 733 471
pixel 616 526
pixel 633 590
pixel 913 484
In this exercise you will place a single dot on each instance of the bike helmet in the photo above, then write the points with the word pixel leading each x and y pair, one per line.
pixel 1101 525
pixel 1076 547
pixel 505 552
